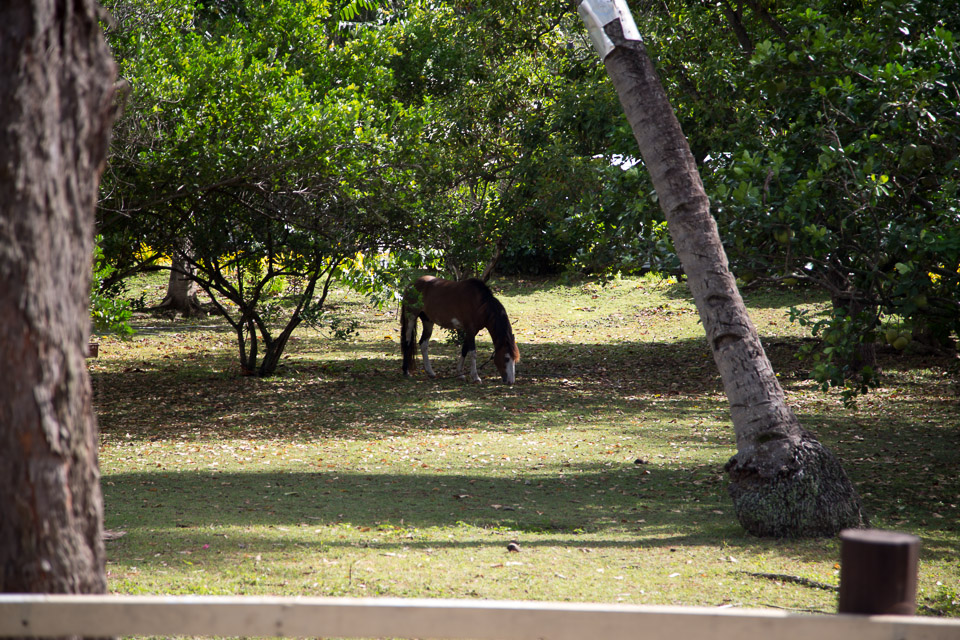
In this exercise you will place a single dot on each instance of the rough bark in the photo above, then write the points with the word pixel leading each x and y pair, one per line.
pixel 56 85
pixel 782 480
pixel 182 289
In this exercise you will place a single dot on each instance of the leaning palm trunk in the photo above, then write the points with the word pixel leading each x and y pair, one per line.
pixel 782 480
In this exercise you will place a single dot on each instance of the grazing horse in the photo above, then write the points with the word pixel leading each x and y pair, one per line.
pixel 466 306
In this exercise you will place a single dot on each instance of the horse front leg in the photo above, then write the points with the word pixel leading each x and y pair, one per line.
pixel 469 351
pixel 425 346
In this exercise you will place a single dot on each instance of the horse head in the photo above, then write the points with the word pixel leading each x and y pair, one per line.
pixel 506 356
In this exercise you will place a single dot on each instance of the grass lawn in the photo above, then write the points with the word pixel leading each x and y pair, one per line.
pixel 604 463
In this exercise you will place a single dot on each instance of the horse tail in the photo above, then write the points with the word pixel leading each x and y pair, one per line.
pixel 408 337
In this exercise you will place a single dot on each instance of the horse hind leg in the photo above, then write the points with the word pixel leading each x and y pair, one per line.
pixel 425 346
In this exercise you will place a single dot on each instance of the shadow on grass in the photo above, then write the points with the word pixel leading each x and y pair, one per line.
pixel 170 397
pixel 608 507
pixel 595 509
pixel 601 509
pixel 759 297
pixel 905 468
pixel 628 383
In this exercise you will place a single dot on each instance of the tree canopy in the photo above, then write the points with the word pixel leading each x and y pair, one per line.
pixel 828 138
pixel 271 143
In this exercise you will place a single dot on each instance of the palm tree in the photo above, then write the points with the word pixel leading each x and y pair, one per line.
pixel 783 481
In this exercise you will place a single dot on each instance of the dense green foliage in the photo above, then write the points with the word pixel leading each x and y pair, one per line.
pixel 108 311
pixel 828 135
pixel 278 141
pixel 534 138
pixel 272 142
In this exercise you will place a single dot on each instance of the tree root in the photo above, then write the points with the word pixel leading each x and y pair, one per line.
pixel 809 497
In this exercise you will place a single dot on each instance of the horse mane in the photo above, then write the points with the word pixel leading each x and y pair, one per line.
pixel 497 319
pixel 481 288
pixel 494 308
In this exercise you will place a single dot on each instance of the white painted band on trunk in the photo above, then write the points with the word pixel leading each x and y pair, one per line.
pixel 597 14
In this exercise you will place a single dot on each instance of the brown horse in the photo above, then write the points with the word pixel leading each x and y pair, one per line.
pixel 466 306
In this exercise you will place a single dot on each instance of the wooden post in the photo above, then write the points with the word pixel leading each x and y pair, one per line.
pixel 878 572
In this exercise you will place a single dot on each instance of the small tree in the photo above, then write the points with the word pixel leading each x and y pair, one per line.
pixel 259 150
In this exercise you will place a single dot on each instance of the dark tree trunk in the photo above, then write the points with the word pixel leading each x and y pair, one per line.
pixel 782 480
pixel 56 88
pixel 866 352
pixel 492 263
pixel 735 20
pixel 771 22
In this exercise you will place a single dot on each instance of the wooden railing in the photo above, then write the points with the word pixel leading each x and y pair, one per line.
pixel 30 615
